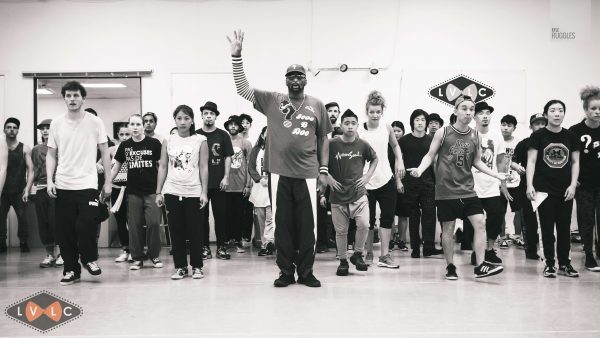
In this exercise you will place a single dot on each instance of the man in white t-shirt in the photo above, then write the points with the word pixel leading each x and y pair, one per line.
pixel 72 143
pixel 487 187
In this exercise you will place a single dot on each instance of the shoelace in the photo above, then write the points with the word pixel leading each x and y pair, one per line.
pixel 69 274
pixel 93 266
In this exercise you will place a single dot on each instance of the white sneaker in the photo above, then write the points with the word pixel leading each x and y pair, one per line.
pixel 246 244
pixel 47 262
pixel 136 265
pixel 129 258
pixel 197 273
pixel 59 261
pixel 122 257
pixel 179 273
pixel 156 263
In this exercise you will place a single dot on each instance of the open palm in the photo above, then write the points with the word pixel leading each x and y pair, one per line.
pixel 236 42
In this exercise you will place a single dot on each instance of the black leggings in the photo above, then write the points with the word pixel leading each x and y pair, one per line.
pixel 588 216
pixel 386 196
pixel 121 217
pixel 186 223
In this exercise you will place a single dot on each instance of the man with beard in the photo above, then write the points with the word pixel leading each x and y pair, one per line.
pixel 333 111
pixel 150 120
pixel 296 153
pixel 246 124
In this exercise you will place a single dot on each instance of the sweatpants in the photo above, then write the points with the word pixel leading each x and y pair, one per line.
pixel 142 210
pixel 555 210
pixel 264 218
pixel 45 210
pixel 294 203
pixel 386 195
pixel 186 222
pixel 76 226
pixel 341 215
pixel 588 216
pixel 14 200
pixel 218 202
pixel 121 217
pixel 494 216
pixel 419 201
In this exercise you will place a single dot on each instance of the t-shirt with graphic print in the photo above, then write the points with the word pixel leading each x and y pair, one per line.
pixel 589 147
pixel 508 149
pixel 485 185
pixel 238 173
pixel 141 160
pixel 553 163
pixel 219 147
pixel 291 145
pixel 346 163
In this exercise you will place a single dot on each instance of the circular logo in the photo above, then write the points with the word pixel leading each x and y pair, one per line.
pixel 287 124
pixel 556 155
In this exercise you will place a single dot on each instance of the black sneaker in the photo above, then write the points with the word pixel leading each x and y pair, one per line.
pixel 222 253
pixel 262 252
pixel 402 246
pixel 357 260
pixel 590 264
pixel 310 281
pixel 3 247
pixel 567 270
pixel 432 252
pixel 69 278
pixel 391 245
pixel 342 270
pixel 451 272
pixel 492 258
pixel 284 280
pixel 206 253
pixel 532 255
pixel 270 248
pixel 416 253
pixel 376 236
pixel 322 248
pixel 24 247
pixel 93 268
pixel 549 271
pixel 486 269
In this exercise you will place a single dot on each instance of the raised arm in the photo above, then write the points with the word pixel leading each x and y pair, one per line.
pixel 239 77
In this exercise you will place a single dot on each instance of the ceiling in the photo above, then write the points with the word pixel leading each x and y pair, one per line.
pixel 131 90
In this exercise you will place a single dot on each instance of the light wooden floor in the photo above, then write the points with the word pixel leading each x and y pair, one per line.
pixel 237 298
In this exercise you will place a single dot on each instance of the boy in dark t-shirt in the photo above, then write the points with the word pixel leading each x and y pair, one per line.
pixel 347 157
pixel 141 155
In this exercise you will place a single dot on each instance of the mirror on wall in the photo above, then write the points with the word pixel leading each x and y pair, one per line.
pixel 114 99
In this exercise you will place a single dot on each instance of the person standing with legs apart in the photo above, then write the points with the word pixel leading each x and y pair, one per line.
pixel 458 147
pixel 347 157
pixel 588 190
pixel 296 153
pixel 45 207
pixel 553 170
pixel 19 180
pixel 119 197
pixel 384 184
pixel 182 187
pixel 140 155
pixel 74 138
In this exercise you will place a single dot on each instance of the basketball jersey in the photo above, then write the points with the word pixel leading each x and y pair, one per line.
pixel 378 139
pixel 456 155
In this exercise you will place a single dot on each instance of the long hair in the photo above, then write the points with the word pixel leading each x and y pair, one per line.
pixel 261 138
pixel 189 112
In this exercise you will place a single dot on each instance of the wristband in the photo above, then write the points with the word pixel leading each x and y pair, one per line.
pixel 324 170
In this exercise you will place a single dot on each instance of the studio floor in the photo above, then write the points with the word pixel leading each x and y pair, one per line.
pixel 237 298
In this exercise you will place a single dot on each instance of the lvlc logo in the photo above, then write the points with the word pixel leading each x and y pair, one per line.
pixel 448 91
pixel 43 311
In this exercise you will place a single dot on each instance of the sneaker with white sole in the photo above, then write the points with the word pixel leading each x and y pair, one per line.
pixel 48 262
pixel 93 268
pixel 59 261
pixel 369 258
pixel 549 271
pixel 503 244
pixel 197 273
pixel 179 273
pixel 156 263
pixel 122 257
pixel 69 278
pixel 387 262
pixel 591 264
pixel 567 270
pixel 486 269
pixel 136 265
pixel 239 247
pixel 451 272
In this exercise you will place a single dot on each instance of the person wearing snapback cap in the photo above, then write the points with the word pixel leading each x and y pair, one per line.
pixel 296 153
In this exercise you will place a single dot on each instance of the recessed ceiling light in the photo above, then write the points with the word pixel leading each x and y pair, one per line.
pixel 104 85
pixel 44 91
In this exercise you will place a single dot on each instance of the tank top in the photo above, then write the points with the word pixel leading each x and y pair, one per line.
pixel 453 176
pixel 183 175
pixel 15 171
pixel 378 139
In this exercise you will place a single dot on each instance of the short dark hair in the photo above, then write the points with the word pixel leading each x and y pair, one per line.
pixel 453 118
pixel 551 102
pixel 416 113
pixel 400 125
pixel 348 114
pixel 73 86
pixel 91 111
pixel 246 117
pixel 332 104
pixel 12 120
pixel 510 119
pixel 150 114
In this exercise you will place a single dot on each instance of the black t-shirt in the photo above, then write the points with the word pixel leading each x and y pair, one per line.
pixel 520 157
pixel 589 147
pixel 413 150
pixel 141 159
pixel 553 164
pixel 219 147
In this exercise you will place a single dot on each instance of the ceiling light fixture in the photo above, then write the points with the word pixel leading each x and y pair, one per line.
pixel 44 91
pixel 104 85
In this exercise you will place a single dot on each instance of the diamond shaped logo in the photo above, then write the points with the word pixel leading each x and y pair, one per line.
pixel 448 91
pixel 43 311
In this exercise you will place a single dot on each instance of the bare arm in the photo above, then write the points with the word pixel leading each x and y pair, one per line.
pixel 105 156
pixel 570 192
pixel 162 173
pixel 530 172
pixel 431 154
pixel 323 153
pixel 115 170
pixel 50 168
pixel 478 164
pixel 203 165
pixel 367 176
pixel 225 180
pixel 29 168
pixel 399 170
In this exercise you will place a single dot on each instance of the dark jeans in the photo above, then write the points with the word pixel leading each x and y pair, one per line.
pixel 45 210
pixel 236 219
pixel 186 223
pixel 494 217
pixel 121 217
pixel 419 201
pixel 555 210
pixel 248 220
pixel 76 226
pixel 386 195
pixel 530 223
pixel 588 216
pixel 14 200
pixel 218 201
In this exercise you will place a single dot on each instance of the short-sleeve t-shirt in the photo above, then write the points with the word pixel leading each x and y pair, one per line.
pixel 238 172
pixel 291 145
pixel 553 163
pixel 38 158
pixel 219 147
pixel 76 143
pixel 589 147
pixel 413 150
pixel 141 160
pixel 346 163
pixel 508 149
pixel 485 185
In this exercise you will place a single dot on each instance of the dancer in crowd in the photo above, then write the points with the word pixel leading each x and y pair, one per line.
pixel 117 197
pixel 398 229
pixel 435 123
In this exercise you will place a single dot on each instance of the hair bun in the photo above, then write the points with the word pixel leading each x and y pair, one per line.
pixel 589 92
pixel 375 98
